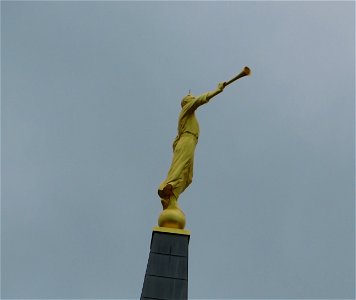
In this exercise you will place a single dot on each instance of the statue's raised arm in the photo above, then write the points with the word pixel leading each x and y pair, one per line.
pixel 180 174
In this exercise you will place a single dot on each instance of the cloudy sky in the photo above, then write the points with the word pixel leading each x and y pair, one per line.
pixel 90 98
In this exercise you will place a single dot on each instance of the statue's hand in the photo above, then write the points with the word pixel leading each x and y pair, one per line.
pixel 221 86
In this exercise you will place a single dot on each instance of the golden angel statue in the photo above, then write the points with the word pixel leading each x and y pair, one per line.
pixel 180 173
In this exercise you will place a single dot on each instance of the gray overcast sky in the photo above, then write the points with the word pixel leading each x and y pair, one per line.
pixel 90 100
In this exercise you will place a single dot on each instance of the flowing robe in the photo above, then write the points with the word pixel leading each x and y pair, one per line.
pixel 180 174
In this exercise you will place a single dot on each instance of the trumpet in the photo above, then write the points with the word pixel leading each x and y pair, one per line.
pixel 245 72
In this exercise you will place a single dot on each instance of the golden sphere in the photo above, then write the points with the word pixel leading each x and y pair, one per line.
pixel 172 218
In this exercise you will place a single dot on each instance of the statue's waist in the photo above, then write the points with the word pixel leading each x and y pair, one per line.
pixel 185 133
pixel 190 133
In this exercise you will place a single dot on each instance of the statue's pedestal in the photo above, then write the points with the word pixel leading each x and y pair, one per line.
pixel 167 269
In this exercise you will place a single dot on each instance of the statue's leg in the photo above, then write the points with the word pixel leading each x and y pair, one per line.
pixel 177 174
pixel 164 203
pixel 173 202
pixel 180 174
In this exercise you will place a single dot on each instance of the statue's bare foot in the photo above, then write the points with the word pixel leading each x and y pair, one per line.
pixel 167 192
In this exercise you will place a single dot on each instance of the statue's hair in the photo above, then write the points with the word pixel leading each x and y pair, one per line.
pixel 186 99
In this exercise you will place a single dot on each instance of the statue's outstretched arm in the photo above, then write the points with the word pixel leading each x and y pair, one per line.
pixel 204 98
pixel 217 91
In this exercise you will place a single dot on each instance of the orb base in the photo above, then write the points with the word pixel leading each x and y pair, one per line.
pixel 172 218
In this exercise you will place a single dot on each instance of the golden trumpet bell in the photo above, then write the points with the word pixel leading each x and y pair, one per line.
pixel 246 71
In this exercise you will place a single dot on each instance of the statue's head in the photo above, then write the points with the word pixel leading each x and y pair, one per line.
pixel 187 99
